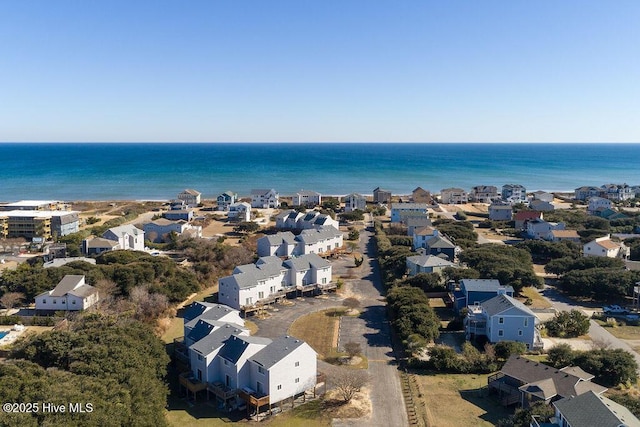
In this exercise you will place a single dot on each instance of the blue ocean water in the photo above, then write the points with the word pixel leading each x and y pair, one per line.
pixel 100 171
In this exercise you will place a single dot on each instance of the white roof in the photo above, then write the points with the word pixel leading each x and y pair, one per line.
pixel 36 214
pixel 32 203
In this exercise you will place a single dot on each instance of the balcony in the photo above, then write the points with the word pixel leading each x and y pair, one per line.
pixel 221 391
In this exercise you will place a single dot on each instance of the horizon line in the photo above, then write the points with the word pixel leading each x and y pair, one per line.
pixel 319 142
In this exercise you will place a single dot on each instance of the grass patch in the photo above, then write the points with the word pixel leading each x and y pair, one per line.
pixel 251 326
pixel 538 301
pixel 622 331
pixel 455 400
pixel 319 330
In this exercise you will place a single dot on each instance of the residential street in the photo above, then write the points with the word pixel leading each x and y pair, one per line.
pixel 597 333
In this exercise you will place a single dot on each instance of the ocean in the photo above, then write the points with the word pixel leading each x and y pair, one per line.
pixel 149 171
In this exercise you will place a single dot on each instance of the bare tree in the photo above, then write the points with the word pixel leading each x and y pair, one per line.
pixel 148 306
pixel 353 349
pixel 348 382
pixel 11 299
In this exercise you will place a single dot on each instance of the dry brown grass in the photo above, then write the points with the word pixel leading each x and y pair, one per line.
pixel 453 400
pixel 318 330
pixel 538 301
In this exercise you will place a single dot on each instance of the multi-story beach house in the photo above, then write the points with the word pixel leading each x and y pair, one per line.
pixel 514 193
pixel 420 195
pixel 618 192
pixel 355 201
pixel 586 192
pixel 270 278
pixel 190 197
pixel 264 198
pixel 543 196
pixel 541 229
pixel 38 223
pixel 307 198
pixel 453 196
pixel 70 294
pixel 225 200
pixel 604 246
pixel 237 369
pixel 129 237
pixel 239 211
pixel 322 240
pixel 381 196
pixel 522 217
pixel 399 209
pixel 178 215
pixel 598 204
pixel 503 318
pixel 484 194
pixel 472 291
pixel 294 220
pixel 34 205
pixel 415 223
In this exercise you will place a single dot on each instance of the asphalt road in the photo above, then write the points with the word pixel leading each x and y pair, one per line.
pixel 597 333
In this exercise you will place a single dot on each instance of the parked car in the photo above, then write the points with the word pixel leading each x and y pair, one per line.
pixel 614 309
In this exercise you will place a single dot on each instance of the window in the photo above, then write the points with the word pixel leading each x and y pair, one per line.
pixel 226 362
pixel 297 364
pixel 297 380
pixel 44 301
pixel 279 387
pixel 261 370
pixel 261 295
pixel 324 280
pixel 519 332
pixel 199 357
pixel 526 322
pixel 54 301
pixel 500 333
pixel 74 301
pixel 501 320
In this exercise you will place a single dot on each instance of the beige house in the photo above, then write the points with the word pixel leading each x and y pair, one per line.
pixel 604 246
pixel 190 197
pixel 420 195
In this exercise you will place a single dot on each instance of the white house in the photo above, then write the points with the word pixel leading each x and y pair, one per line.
pixel 415 223
pixel 543 196
pixel 484 193
pixel 453 196
pixel 97 245
pixel 542 206
pixel 604 246
pixel 307 198
pixel 159 230
pixel 540 229
pixel 586 192
pixel 70 294
pixel 190 197
pixel 288 220
pixel 265 198
pixel 281 244
pixel 239 211
pixel 270 277
pixel 318 240
pixel 355 201
pixel 503 318
pixel 421 235
pixel 294 220
pixel 618 192
pixel 427 264
pixel 128 237
pixel 598 203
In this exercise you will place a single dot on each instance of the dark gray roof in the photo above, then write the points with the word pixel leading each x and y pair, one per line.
pixel 215 339
pixel 68 283
pixel 429 261
pixel 279 238
pixel 527 371
pixel 202 328
pixel 307 261
pixel 502 303
pixel 99 242
pixel 315 235
pixel 235 345
pixel 483 285
pixel 591 410
pixel 276 351
pixel 439 242
pixel 212 311
pixel 284 214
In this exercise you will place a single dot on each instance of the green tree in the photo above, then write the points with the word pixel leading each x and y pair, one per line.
pixel 568 324
pixel 505 349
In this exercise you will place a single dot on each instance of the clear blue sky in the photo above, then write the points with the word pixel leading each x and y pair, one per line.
pixel 321 70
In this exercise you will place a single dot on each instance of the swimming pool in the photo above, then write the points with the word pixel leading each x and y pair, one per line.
pixel 3 334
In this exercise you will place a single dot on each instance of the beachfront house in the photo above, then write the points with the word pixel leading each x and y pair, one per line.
pixel 307 198
pixel 500 212
pixel 420 195
pixel 400 209
pixel 355 201
pixel 503 318
pixel 472 291
pixel 70 294
pixel 270 278
pixel 38 223
pixel 427 264
pixel 484 193
pixel 604 246
pixel 541 229
pixel 190 197
pixel 265 198
pixel 618 192
pixel 542 196
pixel 381 196
pixel 128 237
pixel 586 192
pixel 453 196
pixel 525 382
pixel 239 211
pixel 225 200
pixel 514 193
